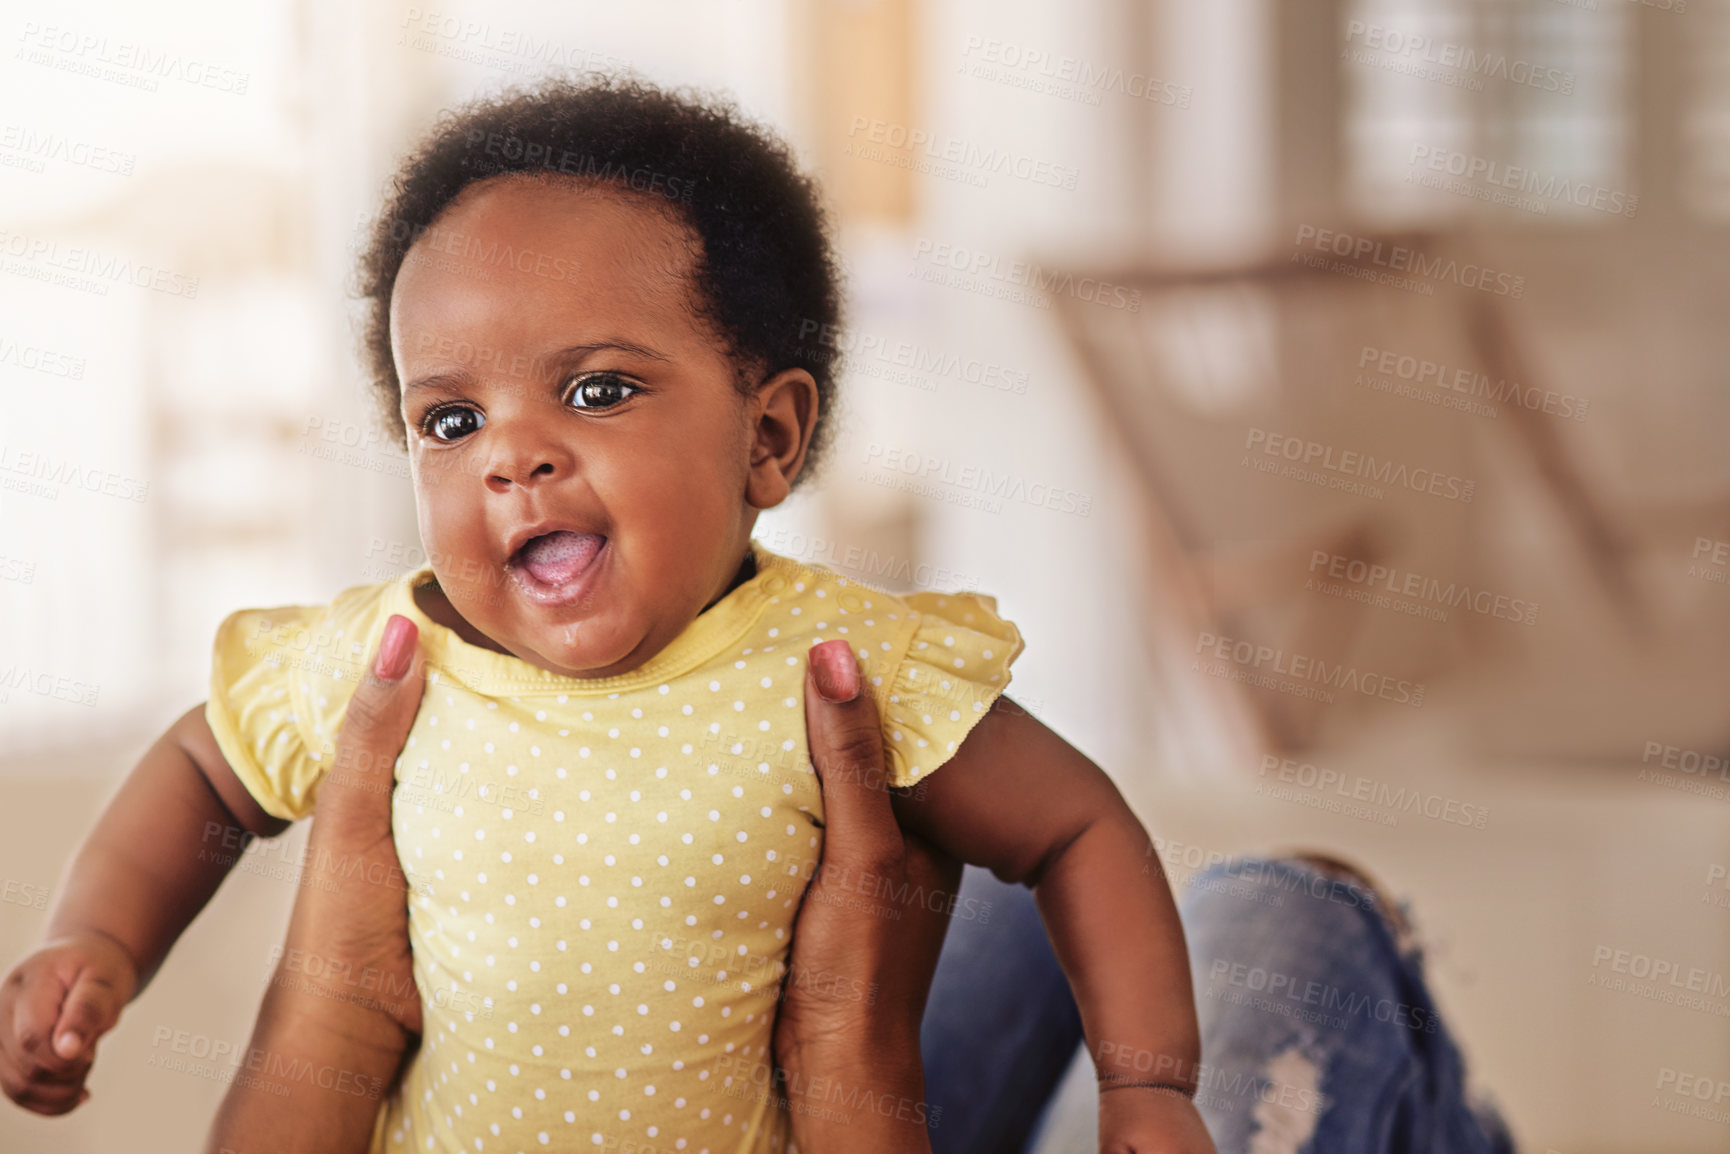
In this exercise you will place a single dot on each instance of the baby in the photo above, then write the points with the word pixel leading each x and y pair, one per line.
pixel 588 315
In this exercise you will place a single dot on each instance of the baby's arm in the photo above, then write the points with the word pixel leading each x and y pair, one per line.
pixel 1018 799
pixel 160 850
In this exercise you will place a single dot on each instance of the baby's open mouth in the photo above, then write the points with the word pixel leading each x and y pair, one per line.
pixel 558 558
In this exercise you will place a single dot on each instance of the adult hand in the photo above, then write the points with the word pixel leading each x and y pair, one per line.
pixel 343 996
pixel 866 939
pixel 849 937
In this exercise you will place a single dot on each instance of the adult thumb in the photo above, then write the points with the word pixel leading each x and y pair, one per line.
pixel 845 737
pixel 376 722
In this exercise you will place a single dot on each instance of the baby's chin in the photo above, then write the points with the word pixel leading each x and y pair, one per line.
pixel 592 625
pixel 593 646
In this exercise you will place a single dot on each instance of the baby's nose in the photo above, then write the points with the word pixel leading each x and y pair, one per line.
pixel 524 455
pixel 501 477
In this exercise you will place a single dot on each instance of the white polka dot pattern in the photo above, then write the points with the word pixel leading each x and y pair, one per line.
pixel 604 875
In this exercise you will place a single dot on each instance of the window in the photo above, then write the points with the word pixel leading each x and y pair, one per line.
pixel 1510 110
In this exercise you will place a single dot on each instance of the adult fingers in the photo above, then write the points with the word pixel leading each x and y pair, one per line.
pixel 934 877
pixel 354 796
pixel 845 737
pixel 360 930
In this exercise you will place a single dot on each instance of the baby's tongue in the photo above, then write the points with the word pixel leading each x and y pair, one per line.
pixel 556 558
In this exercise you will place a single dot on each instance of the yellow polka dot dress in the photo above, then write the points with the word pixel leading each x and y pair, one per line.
pixel 604 873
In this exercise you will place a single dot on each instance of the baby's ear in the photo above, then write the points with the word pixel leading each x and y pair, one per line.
pixel 784 412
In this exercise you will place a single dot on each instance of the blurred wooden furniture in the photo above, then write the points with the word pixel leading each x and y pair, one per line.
pixel 1217 360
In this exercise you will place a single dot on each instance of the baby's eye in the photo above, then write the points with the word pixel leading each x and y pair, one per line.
pixel 601 391
pixel 452 423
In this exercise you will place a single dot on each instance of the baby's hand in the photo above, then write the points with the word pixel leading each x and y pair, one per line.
pixel 53 1008
pixel 1143 1120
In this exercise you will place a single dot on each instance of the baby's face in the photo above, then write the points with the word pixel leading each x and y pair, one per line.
pixel 578 447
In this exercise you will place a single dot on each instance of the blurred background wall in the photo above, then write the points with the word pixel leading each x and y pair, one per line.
pixel 1332 390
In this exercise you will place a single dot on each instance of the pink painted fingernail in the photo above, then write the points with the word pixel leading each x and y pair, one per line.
pixel 397 649
pixel 836 672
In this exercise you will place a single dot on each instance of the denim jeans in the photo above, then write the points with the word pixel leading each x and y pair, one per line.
pixel 1318 1033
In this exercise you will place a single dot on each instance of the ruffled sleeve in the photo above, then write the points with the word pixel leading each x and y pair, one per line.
pixel 280 682
pixel 955 666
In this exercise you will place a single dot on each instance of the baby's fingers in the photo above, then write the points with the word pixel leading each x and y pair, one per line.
pixel 89 1011
pixel 38 996
pixel 41 1091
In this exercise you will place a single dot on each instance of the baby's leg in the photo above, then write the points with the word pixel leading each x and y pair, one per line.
pixel 1318 1032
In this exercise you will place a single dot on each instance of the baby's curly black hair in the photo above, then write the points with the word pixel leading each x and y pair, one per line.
pixel 767 280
